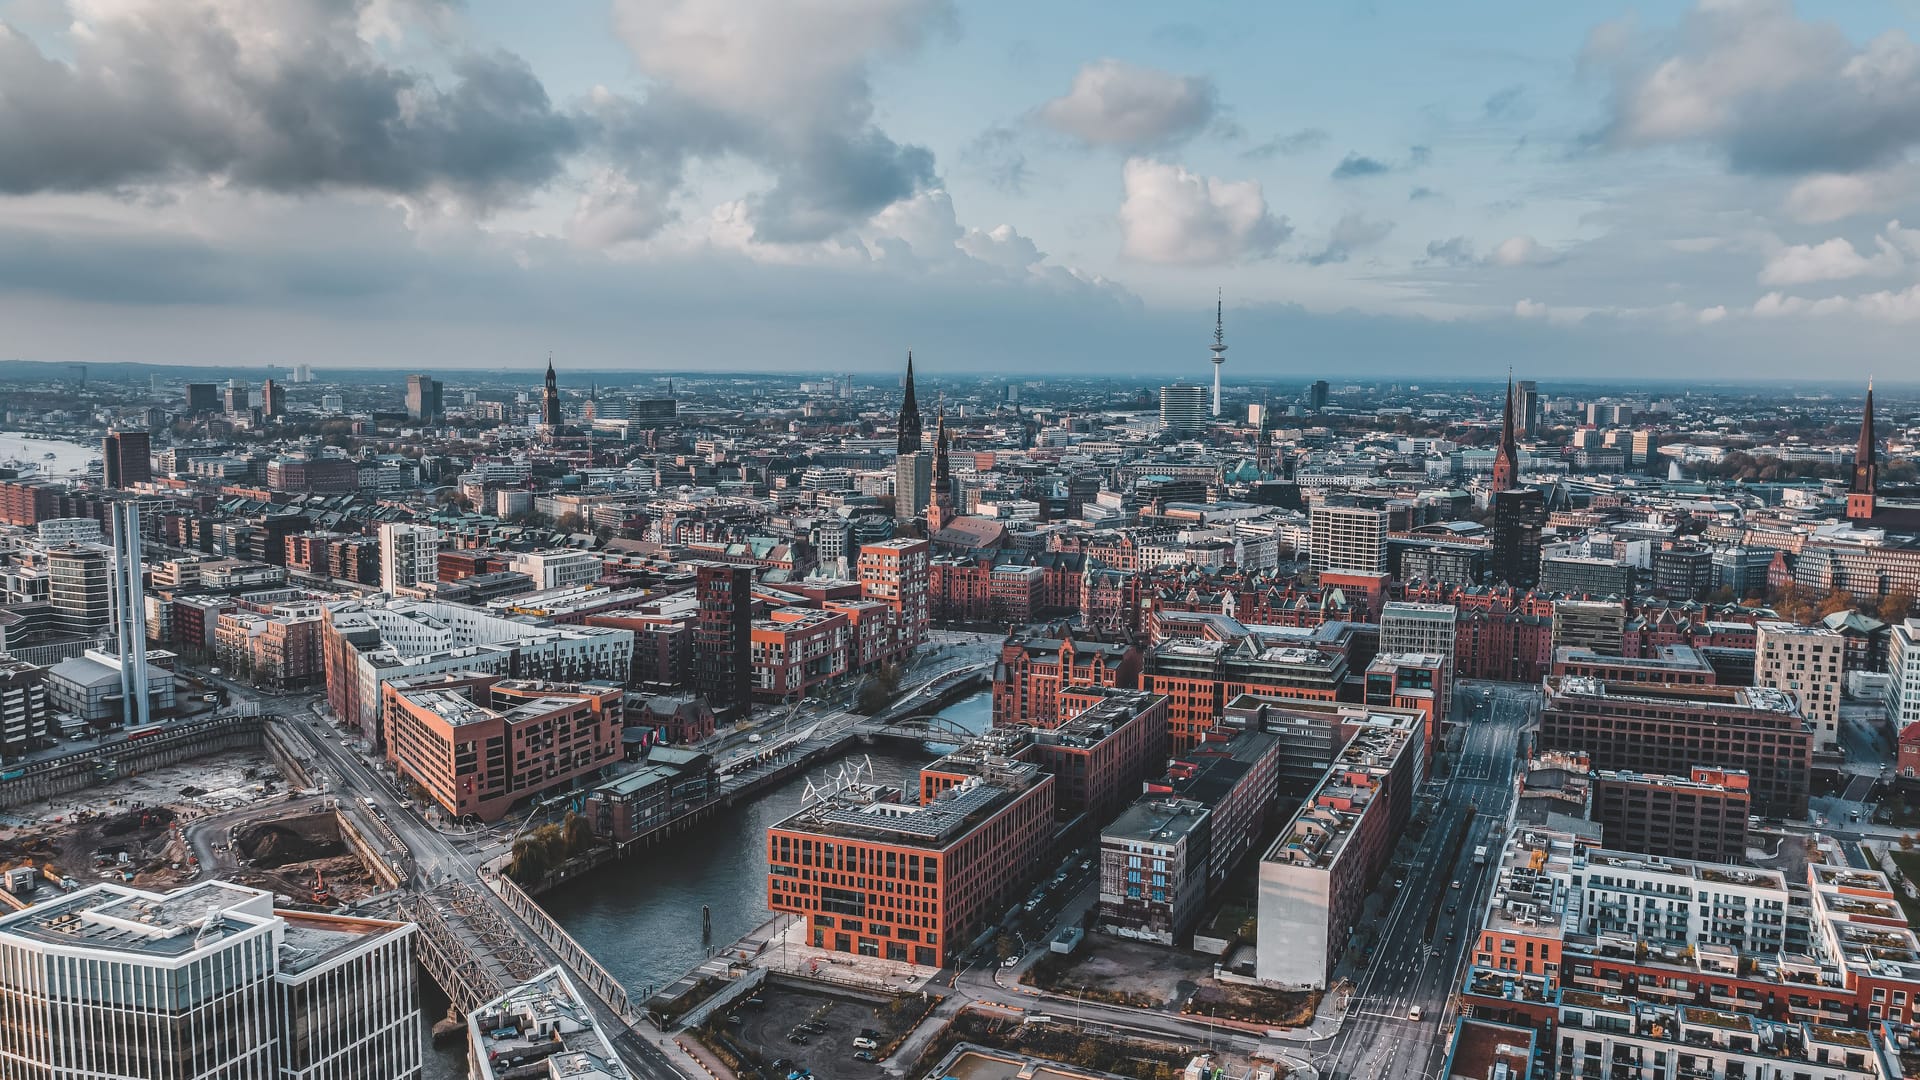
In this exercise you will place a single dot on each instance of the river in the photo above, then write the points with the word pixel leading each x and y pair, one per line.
pixel 69 458
pixel 642 918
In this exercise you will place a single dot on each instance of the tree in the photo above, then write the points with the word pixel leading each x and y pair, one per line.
pixel 1895 606
pixel 1837 600
pixel 570 522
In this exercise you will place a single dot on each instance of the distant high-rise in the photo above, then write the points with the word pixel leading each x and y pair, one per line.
pixel 909 422
pixel 1862 488
pixel 273 400
pixel 303 373
pixel 203 397
pixel 1219 349
pixel 722 634
pixel 1518 516
pixel 1183 408
pixel 1317 395
pixel 1526 408
pixel 912 484
pixel 1347 539
pixel 424 398
pixel 550 399
pixel 238 400
pixel 80 587
pixel 126 459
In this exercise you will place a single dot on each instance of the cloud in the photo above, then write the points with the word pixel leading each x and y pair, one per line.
pixel 1830 260
pixel 1827 197
pixel 1453 251
pixel 285 97
pixel 1114 103
pixel 996 154
pixel 1529 309
pixel 1418 156
pixel 1170 215
pixel 1351 233
pixel 1522 250
pixel 784 85
pixel 1508 103
pixel 1421 193
pixel 1355 165
pixel 1297 142
pixel 1886 306
pixel 1770 92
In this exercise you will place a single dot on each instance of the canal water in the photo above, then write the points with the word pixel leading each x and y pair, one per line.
pixel 641 918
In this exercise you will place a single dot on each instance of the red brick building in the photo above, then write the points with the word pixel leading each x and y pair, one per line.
pixel 1033 671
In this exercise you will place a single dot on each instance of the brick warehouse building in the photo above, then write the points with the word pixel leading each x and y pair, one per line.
pixel 911 882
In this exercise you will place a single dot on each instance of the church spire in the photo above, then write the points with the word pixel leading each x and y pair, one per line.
pixel 1507 458
pixel 909 424
pixel 1866 466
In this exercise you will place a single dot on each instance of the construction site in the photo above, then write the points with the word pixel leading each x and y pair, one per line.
pixel 229 815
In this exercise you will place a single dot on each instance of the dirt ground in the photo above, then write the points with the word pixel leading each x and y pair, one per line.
pixel 302 858
pixel 1145 975
pixel 763 1031
pixel 133 830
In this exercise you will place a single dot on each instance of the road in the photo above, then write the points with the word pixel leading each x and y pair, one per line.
pixel 1411 966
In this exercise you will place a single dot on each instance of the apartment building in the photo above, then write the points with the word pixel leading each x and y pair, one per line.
pixel 1153 870
pixel 409 556
pixel 479 744
pixel 1808 662
pixel 1701 816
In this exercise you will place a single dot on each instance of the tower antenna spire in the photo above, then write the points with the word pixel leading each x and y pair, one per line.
pixel 1219 346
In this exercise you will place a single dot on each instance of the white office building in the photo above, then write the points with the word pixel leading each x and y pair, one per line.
pixel 409 556
pixel 1347 539
pixel 1407 627
pixel 112 983
pixel 1903 674
pixel 559 569
pixel 1183 408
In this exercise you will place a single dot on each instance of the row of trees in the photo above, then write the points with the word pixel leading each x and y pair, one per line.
pixel 1796 604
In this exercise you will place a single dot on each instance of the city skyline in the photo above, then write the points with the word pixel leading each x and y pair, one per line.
pixel 666 186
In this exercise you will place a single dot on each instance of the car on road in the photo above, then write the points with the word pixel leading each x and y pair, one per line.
pixel 1413 1013
pixel 1455 885
pixel 1451 908
pixel 1009 961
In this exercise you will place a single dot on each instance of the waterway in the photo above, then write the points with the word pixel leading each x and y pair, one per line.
pixel 69 458
pixel 642 918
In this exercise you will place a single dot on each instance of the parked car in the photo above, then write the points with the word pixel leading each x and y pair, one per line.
pixel 864 1043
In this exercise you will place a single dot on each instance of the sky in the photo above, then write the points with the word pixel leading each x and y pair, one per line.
pixel 1575 190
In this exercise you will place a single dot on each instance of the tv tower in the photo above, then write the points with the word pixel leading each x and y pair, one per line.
pixel 1219 348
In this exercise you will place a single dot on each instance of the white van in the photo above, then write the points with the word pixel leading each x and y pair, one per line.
pixel 864 1043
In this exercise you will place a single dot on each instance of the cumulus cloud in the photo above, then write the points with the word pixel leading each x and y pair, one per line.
pixel 1529 309
pixel 1522 250
pixel 1829 260
pixel 1114 103
pixel 1170 215
pixel 1351 233
pixel 1355 165
pixel 783 84
pixel 1772 93
pixel 1888 306
pixel 1826 197
pixel 288 96
pixel 1297 142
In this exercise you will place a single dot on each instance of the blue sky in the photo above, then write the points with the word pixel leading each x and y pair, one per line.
pixel 819 184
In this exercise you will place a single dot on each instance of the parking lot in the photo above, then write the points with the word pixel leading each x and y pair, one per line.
pixel 837 1019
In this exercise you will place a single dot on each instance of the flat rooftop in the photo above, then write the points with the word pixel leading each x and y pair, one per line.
pixel 111 918
pixel 876 814
pixel 542 1020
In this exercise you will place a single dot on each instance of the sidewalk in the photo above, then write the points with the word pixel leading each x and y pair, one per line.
pixel 785 952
